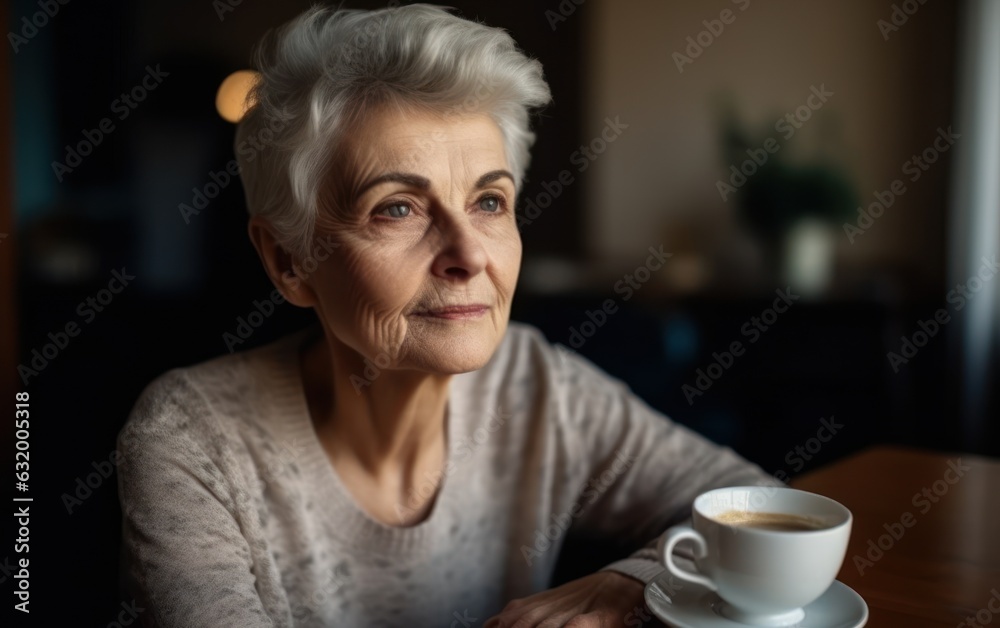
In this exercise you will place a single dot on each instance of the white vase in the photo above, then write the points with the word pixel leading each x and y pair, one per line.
pixel 808 256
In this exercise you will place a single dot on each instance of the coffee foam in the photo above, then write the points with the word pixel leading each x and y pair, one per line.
pixel 767 519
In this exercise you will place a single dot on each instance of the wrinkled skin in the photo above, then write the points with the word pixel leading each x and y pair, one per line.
pixel 601 600
pixel 457 245
pixel 445 236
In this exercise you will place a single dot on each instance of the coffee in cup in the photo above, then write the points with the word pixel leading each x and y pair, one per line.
pixel 769 521
pixel 766 551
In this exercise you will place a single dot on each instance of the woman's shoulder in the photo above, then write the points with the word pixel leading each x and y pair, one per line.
pixel 524 335
pixel 199 397
pixel 526 359
pixel 523 345
pixel 526 348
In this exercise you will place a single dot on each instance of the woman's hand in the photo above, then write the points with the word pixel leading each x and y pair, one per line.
pixel 600 600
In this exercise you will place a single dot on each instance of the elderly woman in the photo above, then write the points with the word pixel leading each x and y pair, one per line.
pixel 414 459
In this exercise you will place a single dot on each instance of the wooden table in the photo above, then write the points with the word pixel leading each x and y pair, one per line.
pixel 934 523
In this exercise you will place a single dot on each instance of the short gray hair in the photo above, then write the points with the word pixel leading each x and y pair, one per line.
pixel 324 70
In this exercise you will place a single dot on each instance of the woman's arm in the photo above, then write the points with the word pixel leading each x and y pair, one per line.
pixel 642 471
pixel 188 563
pixel 633 473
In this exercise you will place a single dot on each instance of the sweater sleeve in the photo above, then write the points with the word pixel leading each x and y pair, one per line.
pixel 638 472
pixel 187 561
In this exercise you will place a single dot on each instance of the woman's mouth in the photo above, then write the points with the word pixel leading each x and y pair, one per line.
pixel 455 312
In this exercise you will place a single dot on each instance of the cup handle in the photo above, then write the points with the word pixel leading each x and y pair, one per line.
pixel 666 545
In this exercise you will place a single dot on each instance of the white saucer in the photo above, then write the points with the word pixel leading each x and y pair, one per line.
pixel 689 605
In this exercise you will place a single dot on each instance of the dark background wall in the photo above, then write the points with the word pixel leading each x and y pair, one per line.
pixel 825 357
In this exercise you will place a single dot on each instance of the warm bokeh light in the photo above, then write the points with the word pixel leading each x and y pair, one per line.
pixel 231 100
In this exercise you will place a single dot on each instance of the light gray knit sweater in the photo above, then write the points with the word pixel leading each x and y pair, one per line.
pixel 234 516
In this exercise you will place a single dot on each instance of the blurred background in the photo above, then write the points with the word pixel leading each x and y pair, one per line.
pixel 821 179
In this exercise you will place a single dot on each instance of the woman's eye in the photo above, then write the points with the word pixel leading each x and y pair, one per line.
pixel 396 210
pixel 489 203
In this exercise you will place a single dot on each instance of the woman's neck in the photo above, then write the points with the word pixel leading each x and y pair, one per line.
pixel 389 421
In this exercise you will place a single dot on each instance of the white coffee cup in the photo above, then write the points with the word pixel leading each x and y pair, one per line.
pixel 764 576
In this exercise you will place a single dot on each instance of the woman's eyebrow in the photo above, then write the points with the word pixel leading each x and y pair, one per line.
pixel 423 183
pixel 407 178
pixel 492 176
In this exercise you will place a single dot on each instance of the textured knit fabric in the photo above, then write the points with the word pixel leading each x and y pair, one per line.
pixel 233 514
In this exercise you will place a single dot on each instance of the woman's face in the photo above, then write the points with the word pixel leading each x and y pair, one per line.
pixel 421 208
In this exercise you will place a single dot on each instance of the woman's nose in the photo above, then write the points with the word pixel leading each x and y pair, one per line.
pixel 462 254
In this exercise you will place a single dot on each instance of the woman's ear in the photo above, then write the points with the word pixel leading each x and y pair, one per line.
pixel 279 264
